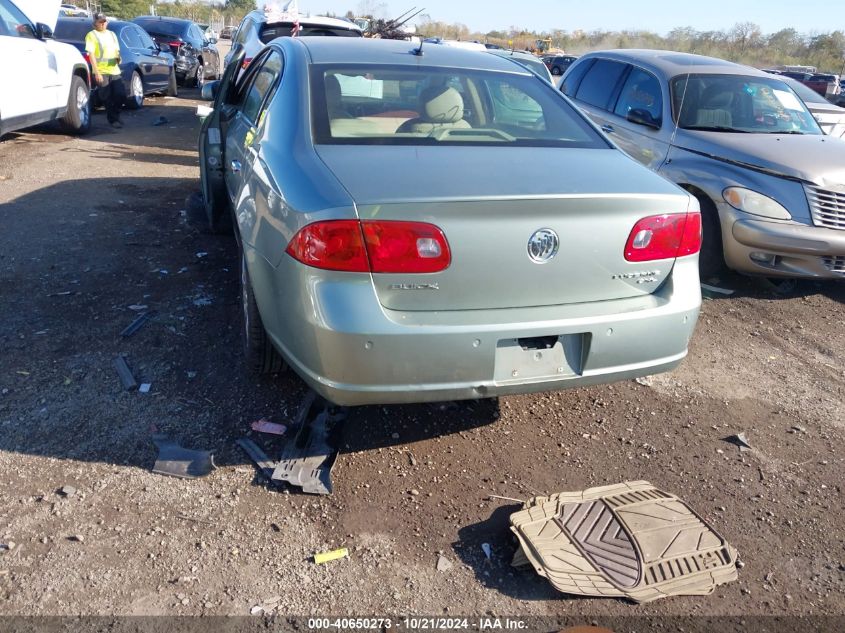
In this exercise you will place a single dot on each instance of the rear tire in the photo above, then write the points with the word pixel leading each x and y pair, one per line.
pixel 77 120
pixel 557 71
pixel 135 98
pixel 216 207
pixel 261 356
pixel 711 260
pixel 172 88
pixel 199 76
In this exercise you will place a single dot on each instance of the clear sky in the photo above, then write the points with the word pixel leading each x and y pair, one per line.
pixel 659 16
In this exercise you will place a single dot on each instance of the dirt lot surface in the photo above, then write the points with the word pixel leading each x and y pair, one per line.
pixel 92 226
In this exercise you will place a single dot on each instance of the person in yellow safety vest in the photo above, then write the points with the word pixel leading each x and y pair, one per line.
pixel 104 52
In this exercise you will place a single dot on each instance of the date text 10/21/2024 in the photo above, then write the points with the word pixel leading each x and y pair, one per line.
pixel 418 623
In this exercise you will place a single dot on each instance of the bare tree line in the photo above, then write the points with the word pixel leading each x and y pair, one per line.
pixel 744 42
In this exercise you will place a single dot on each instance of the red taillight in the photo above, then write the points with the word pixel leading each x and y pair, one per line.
pixel 247 60
pixel 87 57
pixel 664 237
pixel 406 247
pixel 372 246
pixel 174 44
pixel 333 245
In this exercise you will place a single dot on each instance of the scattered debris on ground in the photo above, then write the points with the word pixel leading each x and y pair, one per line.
pixel 178 461
pixel 335 554
pixel 125 374
pixel 714 292
pixel 738 440
pixel 138 323
pixel 265 426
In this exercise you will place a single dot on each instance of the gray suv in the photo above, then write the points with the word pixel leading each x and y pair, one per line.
pixel 770 184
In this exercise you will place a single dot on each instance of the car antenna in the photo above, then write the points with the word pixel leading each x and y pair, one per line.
pixel 418 51
pixel 680 110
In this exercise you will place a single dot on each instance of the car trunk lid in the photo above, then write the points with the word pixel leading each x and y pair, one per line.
pixel 491 202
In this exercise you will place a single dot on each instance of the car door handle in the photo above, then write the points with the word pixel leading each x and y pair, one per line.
pixel 236 166
pixel 607 128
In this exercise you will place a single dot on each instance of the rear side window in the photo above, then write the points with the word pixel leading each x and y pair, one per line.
pixel 130 38
pixel 573 78
pixel 245 32
pixel 599 83
pixel 264 79
pixel 640 92
pixel 196 33
pixel 146 40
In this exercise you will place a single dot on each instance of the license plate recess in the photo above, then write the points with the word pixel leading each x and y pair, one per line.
pixel 539 358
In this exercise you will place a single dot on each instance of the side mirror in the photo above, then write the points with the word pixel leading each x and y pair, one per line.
pixel 212 40
pixel 643 117
pixel 210 90
pixel 43 31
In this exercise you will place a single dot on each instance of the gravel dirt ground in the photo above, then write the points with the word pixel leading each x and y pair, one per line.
pixel 91 226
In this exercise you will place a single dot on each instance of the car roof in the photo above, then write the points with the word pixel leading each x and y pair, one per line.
pixel 162 18
pixel 672 63
pixel 339 50
pixel 75 28
pixel 314 20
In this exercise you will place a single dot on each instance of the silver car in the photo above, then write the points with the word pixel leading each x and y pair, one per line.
pixel 260 27
pixel 422 225
pixel 831 118
pixel 771 186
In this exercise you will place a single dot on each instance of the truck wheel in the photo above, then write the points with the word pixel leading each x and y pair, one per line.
pixel 77 120
pixel 261 356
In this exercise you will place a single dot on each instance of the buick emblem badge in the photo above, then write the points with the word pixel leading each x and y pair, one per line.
pixel 543 245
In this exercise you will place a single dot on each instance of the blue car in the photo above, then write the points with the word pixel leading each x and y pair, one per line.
pixel 145 68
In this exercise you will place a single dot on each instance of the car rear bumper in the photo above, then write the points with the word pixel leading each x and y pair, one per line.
pixel 794 250
pixel 352 351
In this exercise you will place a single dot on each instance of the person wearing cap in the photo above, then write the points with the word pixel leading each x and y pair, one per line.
pixel 104 52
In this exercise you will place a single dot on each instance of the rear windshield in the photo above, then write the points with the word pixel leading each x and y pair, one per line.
pixel 161 27
pixel 739 103
pixel 72 30
pixel 269 32
pixel 414 105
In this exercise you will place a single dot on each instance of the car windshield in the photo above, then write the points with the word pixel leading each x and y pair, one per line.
pixel 414 105
pixel 739 103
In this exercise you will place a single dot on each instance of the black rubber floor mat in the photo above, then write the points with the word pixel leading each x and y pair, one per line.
pixel 629 540
pixel 178 461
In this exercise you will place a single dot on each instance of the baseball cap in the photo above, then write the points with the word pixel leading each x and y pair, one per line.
pixel 100 17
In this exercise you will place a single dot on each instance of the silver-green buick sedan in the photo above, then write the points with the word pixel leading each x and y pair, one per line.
pixel 440 224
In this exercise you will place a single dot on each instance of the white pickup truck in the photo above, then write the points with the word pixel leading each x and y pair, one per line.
pixel 40 79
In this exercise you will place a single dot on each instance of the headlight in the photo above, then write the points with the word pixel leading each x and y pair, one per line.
pixel 755 203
